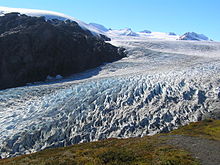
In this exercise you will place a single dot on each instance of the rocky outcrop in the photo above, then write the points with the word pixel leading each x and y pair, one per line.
pixel 146 31
pixel 172 34
pixel 32 48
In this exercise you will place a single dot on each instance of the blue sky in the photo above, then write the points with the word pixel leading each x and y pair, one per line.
pixel 180 16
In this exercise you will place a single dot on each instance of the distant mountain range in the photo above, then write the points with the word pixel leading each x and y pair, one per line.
pixel 98 29
pixel 148 34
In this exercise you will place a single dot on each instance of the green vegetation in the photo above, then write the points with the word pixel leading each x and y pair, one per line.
pixel 132 151
pixel 148 150
pixel 208 128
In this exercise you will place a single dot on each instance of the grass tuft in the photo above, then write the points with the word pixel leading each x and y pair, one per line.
pixel 209 129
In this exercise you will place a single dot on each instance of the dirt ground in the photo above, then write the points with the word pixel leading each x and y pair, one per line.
pixel 207 151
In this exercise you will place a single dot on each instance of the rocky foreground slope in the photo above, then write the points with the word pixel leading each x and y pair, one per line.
pixel 32 48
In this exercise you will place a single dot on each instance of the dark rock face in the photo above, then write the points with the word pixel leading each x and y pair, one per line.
pixel 32 48
pixel 172 34
pixel 146 31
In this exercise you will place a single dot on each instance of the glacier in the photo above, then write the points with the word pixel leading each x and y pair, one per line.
pixel 161 85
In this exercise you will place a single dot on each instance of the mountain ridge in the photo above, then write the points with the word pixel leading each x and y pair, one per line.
pixel 98 29
pixel 31 49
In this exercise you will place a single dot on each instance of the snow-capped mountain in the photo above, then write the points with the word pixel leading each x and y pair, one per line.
pixel 194 36
pixel 172 33
pixel 48 15
pixel 147 34
pixel 145 31
pixel 128 33
pixel 122 32
pixel 99 27
pixel 158 35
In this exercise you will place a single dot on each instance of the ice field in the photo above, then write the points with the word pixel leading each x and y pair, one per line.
pixel 161 85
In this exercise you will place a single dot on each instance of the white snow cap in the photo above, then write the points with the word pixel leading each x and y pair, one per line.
pixel 124 32
pixel 145 31
pixel 99 27
pixel 48 15
pixel 194 36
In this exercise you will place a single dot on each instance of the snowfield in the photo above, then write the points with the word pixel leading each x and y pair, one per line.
pixel 160 86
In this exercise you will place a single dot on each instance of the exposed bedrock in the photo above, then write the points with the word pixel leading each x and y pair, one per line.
pixel 32 48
